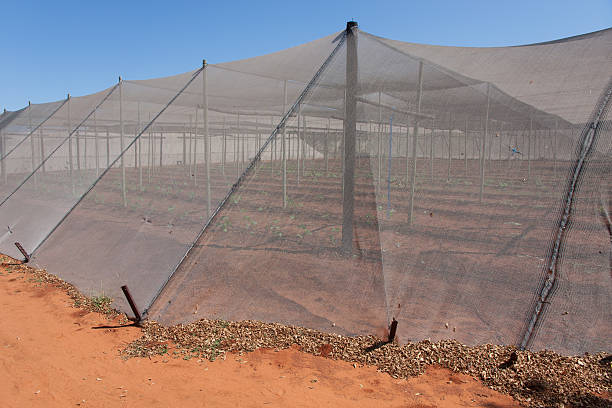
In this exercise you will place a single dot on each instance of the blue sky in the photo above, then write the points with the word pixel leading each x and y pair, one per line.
pixel 50 48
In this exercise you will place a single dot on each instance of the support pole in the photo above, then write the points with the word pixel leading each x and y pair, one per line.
pixel 465 135
pixel 71 165
pixel 390 166
pixel 96 147
pixel 350 130
pixel 298 143
pixel 484 145
pixel 554 146
pixel 284 148
pixel 42 150
pixel 529 149
pixel 32 147
pixel 207 155
pixel 131 302
pixel 380 155
pixel 123 186
pixel 431 149
pixel 414 144
pixel 450 146
pixel 327 148
pixel 140 151
pixel 224 147
pixel 195 151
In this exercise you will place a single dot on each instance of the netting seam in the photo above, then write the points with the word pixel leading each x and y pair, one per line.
pixel 588 139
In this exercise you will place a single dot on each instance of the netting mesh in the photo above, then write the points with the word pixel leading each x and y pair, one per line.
pixel 339 185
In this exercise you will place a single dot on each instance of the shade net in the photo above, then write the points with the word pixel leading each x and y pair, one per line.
pixel 337 186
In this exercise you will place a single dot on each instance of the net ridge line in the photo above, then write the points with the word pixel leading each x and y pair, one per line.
pixel 59 145
pixel 8 117
pixel 119 156
pixel 588 139
pixel 341 38
pixel 465 80
pixel 35 129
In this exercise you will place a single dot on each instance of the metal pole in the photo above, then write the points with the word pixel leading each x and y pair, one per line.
pixel 327 147
pixel 465 135
pixel 529 149
pixel 350 130
pixel 450 144
pixel 195 150
pixel 299 115
pixel 554 145
pixel 414 144
pixel 70 148
pixel 380 155
pixel 283 148
pixel 32 147
pixel 431 149
pixel 484 144
pixel 389 165
pixel 140 151
pixel 206 138
pixel 123 186
pixel 150 155
pixel 42 150
pixel 224 148
pixel 96 147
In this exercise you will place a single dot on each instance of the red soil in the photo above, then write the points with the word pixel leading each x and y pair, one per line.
pixel 52 356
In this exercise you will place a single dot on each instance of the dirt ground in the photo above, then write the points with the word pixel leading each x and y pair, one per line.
pixel 54 355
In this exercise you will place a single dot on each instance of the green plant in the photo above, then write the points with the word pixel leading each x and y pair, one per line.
pixel 101 303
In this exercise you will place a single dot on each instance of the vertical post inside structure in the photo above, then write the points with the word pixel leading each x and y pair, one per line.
pixel 450 146
pixel 140 151
pixel 96 147
pixel 70 163
pixel 121 141
pixel 238 141
pixel 484 145
pixel 380 155
pixel 298 142
pixel 390 166
pixel 304 136
pixel 32 147
pixel 188 160
pixel 224 148
pixel 431 149
pixel 500 135
pixel 414 144
pixel 2 159
pixel 529 149
pixel 465 143
pixel 195 151
pixel 283 147
pixel 207 155
pixel 42 149
pixel 554 146
pixel 399 141
pixel 161 147
pixel 150 153
pixel 327 148
pixel 184 148
pixel 350 130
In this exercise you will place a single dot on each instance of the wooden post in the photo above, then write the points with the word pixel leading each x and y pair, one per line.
pixel 350 130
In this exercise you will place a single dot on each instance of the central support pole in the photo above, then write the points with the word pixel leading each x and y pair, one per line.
pixel 206 138
pixel 70 148
pixel 350 130
pixel 123 186
pixel 414 144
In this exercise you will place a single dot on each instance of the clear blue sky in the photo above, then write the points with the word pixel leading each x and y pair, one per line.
pixel 50 48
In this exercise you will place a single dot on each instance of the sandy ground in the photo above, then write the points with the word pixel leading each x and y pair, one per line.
pixel 52 355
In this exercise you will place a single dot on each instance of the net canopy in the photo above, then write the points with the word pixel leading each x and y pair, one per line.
pixel 337 185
